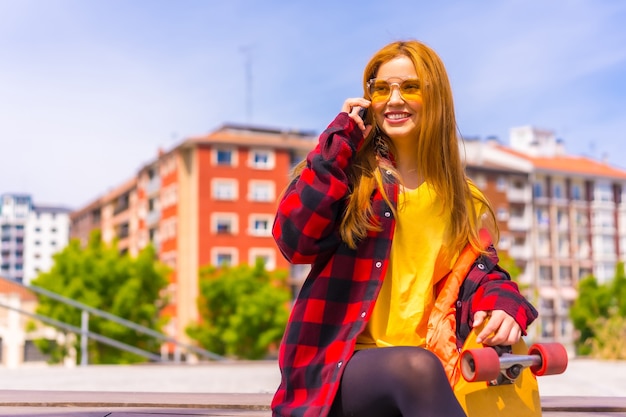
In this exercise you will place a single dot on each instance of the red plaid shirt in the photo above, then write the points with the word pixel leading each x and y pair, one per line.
pixel 337 298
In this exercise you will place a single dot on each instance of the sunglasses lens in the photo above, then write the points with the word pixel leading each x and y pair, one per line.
pixel 380 90
pixel 410 90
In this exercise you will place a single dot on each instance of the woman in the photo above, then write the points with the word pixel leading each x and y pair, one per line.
pixel 402 266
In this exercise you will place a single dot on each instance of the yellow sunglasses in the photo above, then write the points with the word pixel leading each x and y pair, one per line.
pixel 380 90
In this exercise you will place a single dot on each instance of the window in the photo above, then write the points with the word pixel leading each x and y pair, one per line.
pixel 169 195
pixel 603 219
pixel 168 228
pixel 576 192
pixel 222 256
pixel 261 224
pixel 224 226
pixel 224 223
pixel 224 189
pixel 224 259
pixel 543 217
pixel 501 183
pixel 262 159
pixel 480 180
pixel 603 192
pixel 562 219
pixel 545 275
pixel 537 190
pixel 502 214
pixel 261 191
pixel 558 191
pixel 267 255
pixel 225 156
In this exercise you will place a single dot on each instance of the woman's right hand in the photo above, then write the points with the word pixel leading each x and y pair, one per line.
pixel 352 106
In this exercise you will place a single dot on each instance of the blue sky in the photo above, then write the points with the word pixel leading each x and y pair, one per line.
pixel 90 89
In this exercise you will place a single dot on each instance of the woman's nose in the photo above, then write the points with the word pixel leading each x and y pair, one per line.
pixel 395 96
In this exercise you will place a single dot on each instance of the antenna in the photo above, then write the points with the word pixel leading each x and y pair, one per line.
pixel 247 51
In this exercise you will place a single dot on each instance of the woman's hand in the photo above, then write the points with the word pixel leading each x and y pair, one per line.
pixel 501 329
pixel 352 106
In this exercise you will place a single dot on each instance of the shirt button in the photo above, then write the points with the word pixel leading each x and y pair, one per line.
pixel 387 214
pixel 379 264
pixel 388 172
pixel 481 266
pixel 363 314
pixel 339 364
pixel 459 304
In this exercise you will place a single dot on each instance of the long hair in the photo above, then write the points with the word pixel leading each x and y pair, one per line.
pixel 438 156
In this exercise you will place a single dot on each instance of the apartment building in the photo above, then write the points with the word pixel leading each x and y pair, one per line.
pixel 14 211
pixel 562 218
pixel 47 232
pixel 30 235
pixel 208 201
pixel 114 215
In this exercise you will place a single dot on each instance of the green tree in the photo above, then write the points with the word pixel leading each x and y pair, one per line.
pixel 99 276
pixel 509 265
pixel 599 316
pixel 243 310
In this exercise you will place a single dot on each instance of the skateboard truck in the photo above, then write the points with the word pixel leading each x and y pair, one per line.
pixel 498 366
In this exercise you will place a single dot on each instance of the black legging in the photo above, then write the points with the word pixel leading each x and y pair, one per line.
pixel 395 381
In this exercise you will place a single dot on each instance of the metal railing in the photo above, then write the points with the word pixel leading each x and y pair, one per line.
pixel 85 333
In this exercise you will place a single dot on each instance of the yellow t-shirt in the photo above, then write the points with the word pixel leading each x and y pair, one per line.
pixel 417 262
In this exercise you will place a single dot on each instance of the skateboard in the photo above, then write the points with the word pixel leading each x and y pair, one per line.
pixel 502 380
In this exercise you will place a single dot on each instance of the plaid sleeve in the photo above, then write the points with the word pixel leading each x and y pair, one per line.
pixel 496 291
pixel 488 287
pixel 311 208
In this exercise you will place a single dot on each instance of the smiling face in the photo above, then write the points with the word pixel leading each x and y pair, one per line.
pixel 399 115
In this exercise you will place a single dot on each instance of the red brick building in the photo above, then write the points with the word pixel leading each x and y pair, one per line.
pixel 208 201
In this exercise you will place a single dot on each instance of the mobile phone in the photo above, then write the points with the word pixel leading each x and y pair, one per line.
pixel 363 114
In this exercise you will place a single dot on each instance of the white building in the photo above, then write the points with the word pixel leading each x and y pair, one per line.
pixel 47 232
pixel 14 211
pixel 30 235
pixel 561 217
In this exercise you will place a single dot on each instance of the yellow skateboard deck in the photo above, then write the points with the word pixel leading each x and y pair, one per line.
pixel 514 392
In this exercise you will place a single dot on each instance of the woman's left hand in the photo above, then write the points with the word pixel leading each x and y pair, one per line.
pixel 501 329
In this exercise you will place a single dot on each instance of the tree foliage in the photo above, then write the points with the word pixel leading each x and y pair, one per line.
pixel 243 310
pixel 99 276
pixel 599 316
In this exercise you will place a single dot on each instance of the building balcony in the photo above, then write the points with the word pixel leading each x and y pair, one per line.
pixel 560 202
pixel 517 195
pixel 153 217
pixel 605 257
pixel 521 253
pixel 519 223
pixel 153 186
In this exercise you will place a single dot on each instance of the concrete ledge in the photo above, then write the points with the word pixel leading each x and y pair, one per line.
pixel 118 404
pixel 9 398
pixel 584 404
